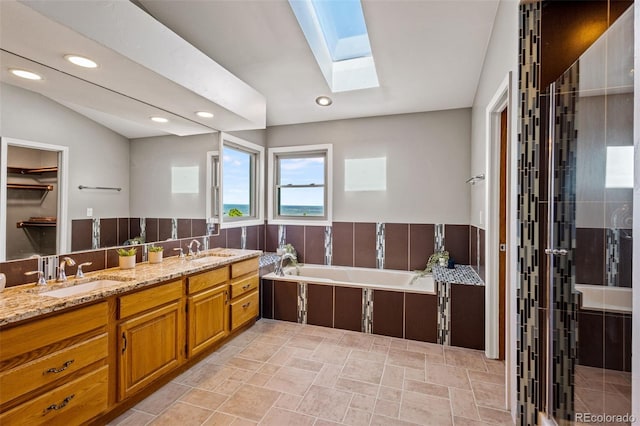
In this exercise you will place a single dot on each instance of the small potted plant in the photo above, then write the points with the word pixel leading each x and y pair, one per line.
pixel 155 254
pixel 127 257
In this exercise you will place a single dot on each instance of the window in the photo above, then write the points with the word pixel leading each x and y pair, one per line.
pixel 300 182
pixel 241 184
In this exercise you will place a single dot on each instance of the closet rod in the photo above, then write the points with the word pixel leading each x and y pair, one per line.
pixel 99 187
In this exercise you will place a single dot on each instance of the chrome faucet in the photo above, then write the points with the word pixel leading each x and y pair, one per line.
pixel 197 252
pixel 80 272
pixel 62 276
pixel 279 271
pixel 41 280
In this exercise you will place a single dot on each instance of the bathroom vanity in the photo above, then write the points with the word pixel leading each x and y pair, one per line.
pixel 86 350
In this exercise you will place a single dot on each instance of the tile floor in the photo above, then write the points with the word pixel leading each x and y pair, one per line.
pixel 280 373
pixel 599 391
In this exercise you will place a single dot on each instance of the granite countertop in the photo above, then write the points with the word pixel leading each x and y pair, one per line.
pixel 25 301
pixel 462 274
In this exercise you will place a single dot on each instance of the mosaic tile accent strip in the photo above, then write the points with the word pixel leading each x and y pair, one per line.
pixel 268 259
pixel 95 233
pixel 461 274
pixel 48 265
pixel 564 351
pixel 328 244
pixel 612 258
pixel 444 297
pixel 302 303
pixel 174 228
pixel 367 310
pixel 282 236
pixel 143 228
pixel 211 228
pixel 243 237
pixel 529 355
pixel 380 245
pixel 439 238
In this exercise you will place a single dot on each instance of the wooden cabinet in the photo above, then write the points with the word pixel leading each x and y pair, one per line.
pixel 54 370
pixel 151 340
pixel 207 309
pixel 245 299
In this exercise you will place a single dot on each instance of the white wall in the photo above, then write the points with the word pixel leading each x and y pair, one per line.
pixel 428 160
pixel 151 163
pixel 97 155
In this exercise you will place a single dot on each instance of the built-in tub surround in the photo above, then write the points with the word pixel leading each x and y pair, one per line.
pixel 392 303
pixel 27 301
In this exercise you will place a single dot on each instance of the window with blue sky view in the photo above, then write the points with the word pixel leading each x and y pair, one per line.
pixel 301 186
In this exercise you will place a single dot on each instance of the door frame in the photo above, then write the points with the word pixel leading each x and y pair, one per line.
pixel 504 97
pixel 63 177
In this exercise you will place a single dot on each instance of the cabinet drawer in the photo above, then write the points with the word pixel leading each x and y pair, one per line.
pixel 45 370
pixel 71 404
pixel 249 266
pixel 208 279
pixel 146 299
pixel 243 286
pixel 244 309
pixel 43 332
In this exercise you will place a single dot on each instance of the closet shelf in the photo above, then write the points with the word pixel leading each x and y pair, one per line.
pixel 33 186
pixel 31 170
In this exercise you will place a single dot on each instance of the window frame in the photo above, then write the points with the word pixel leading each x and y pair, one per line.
pixel 256 182
pixel 301 151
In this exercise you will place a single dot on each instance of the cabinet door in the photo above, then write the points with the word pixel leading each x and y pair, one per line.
pixel 150 345
pixel 208 318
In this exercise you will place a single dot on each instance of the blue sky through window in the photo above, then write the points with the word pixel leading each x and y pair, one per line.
pixel 344 29
pixel 236 173
pixel 302 171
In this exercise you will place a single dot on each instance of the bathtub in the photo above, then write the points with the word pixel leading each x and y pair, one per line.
pixel 604 298
pixel 342 276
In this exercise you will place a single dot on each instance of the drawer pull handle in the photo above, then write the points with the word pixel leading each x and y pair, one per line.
pixel 124 342
pixel 245 287
pixel 246 305
pixel 59 370
pixel 55 407
pixel 226 297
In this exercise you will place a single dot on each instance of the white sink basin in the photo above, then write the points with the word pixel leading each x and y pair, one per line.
pixel 80 288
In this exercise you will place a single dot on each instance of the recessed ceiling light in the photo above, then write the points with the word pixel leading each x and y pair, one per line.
pixel 25 74
pixel 204 114
pixel 159 119
pixel 81 61
pixel 324 100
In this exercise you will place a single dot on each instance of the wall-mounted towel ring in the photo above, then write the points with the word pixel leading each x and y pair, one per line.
pixel 475 179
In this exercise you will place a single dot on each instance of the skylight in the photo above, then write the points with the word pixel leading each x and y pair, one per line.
pixel 337 34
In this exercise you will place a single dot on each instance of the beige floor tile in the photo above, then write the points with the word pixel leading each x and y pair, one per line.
pixel 271 340
pixel 269 369
pixel 493 416
pixel 398 344
pixel 387 408
pixel 463 421
pixel 357 417
pixel 328 376
pixel 326 403
pixel 259 379
pixel 448 376
pixel 304 341
pixel 424 347
pixel 259 352
pixel 208 376
pixel 305 364
pixel 480 376
pixel 282 356
pixel 243 422
pixel 378 420
pixel 402 358
pixel 368 355
pixel 161 399
pixel 463 404
pixel 363 402
pixel 228 387
pixel 204 399
pixel 393 376
pixel 241 375
pixel 325 332
pixel 414 374
pixel 465 358
pixel 132 418
pixel 426 410
pixel 489 395
pixel 356 340
pixel 495 366
pixel 435 358
pixel 323 422
pixel 384 350
pixel 382 341
pixel 363 370
pixel 291 380
pixel 183 414
pixel 280 417
pixel 250 402
pixel 288 402
pixel 219 419
pixel 426 388
pixel 356 386
pixel 390 394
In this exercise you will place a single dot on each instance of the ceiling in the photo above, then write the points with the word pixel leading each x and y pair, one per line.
pixel 428 53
